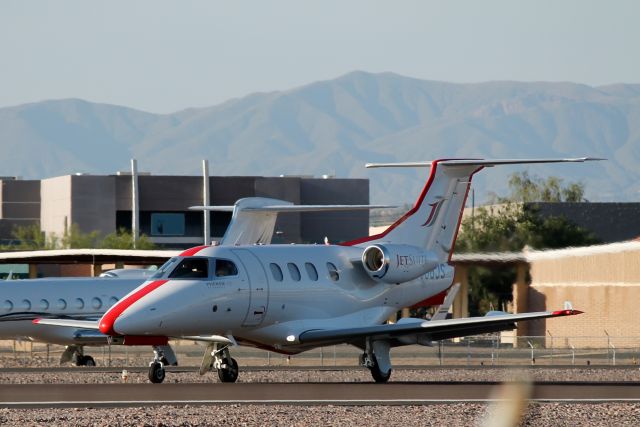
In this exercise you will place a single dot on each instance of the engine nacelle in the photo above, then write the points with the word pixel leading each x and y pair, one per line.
pixel 397 263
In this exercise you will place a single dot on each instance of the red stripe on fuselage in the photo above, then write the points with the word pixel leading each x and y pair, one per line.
pixel 193 251
pixel 110 317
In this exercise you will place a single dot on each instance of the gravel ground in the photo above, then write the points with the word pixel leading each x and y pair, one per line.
pixel 613 414
pixel 351 375
pixel 278 415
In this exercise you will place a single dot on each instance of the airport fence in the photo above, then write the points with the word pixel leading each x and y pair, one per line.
pixel 486 350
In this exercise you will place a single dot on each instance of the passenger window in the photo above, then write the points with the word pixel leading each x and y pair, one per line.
pixel 276 272
pixel 61 305
pixel 44 304
pixel 96 303
pixel 294 272
pixel 224 267
pixel 191 268
pixel 8 305
pixel 112 301
pixel 26 305
pixel 79 303
pixel 311 271
pixel 333 272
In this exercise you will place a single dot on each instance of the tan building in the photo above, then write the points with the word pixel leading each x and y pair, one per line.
pixel 603 281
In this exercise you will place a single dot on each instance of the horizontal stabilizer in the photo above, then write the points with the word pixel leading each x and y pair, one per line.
pixel 292 208
pixel 479 162
pixel 70 323
pixel 254 218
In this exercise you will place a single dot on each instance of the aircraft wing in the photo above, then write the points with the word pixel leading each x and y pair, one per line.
pixel 70 323
pixel 432 330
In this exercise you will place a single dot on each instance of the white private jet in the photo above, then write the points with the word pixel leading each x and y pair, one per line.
pixel 292 298
pixel 22 301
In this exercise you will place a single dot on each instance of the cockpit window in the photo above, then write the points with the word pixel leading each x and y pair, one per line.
pixel 224 267
pixel 191 268
pixel 167 266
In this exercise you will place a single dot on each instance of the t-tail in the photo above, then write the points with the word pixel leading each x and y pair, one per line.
pixel 429 230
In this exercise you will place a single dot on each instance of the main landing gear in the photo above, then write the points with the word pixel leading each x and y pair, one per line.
pixel 75 354
pixel 217 357
pixel 376 358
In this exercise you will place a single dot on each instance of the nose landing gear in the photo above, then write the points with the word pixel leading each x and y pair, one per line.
pixel 162 355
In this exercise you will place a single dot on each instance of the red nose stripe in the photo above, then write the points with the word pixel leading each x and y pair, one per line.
pixel 109 318
pixel 193 251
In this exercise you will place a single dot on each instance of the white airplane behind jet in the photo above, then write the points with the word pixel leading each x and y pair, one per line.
pixel 292 298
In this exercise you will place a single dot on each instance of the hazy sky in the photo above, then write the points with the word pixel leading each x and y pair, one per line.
pixel 162 56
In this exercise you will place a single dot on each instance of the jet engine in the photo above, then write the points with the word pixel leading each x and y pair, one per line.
pixel 397 263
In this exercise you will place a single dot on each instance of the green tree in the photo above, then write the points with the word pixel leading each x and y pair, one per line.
pixel 123 239
pixel 512 225
pixel 74 238
pixel 526 189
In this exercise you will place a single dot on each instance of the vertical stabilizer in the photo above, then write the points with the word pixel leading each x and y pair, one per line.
pixel 434 220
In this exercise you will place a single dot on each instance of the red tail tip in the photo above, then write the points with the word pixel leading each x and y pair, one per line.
pixel 567 312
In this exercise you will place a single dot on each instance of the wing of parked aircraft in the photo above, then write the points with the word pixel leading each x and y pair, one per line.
pixel 70 323
pixel 432 330
pixel 254 218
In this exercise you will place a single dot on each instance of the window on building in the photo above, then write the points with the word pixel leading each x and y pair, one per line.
pixel 224 267
pixel 191 268
pixel 311 271
pixel 167 224
pixel 276 272
pixel 294 272
pixel 333 272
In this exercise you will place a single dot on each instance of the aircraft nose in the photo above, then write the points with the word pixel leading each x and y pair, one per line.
pixel 111 324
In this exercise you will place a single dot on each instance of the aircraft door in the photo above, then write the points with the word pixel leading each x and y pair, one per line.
pixel 259 286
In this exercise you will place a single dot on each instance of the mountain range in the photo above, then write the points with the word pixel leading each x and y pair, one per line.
pixel 334 127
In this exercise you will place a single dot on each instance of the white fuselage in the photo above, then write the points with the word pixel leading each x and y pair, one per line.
pixel 22 301
pixel 278 291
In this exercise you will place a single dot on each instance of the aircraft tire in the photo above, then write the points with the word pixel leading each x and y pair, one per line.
pixel 156 373
pixel 378 376
pixel 88 361
pixel 230 374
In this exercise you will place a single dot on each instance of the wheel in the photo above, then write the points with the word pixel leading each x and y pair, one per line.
pixel 80 360
pixel 378 376
pixel 230 373
pixel 156 373
pixel 88 361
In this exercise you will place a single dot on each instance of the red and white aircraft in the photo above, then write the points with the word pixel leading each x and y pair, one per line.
pixel 292 298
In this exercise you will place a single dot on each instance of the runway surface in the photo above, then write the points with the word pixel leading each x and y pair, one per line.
pixel 398 393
